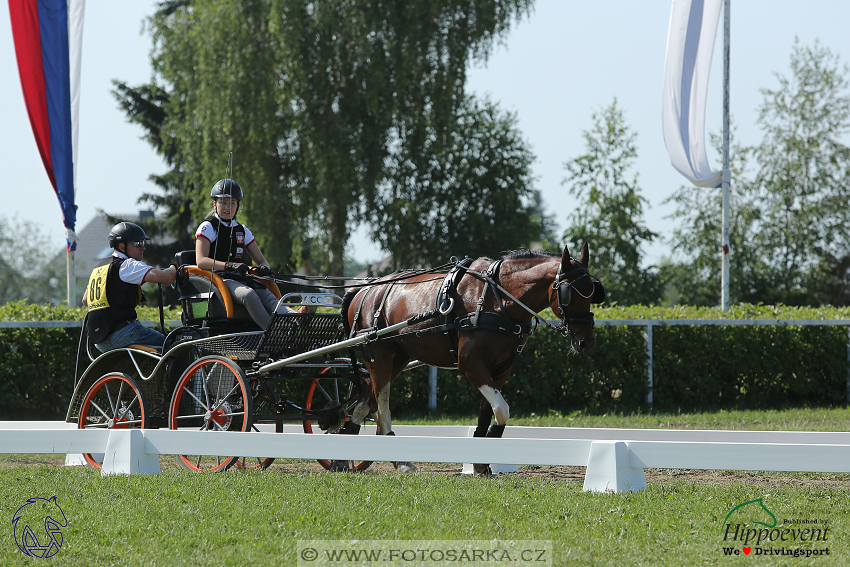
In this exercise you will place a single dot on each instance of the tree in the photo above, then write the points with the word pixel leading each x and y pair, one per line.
pixel 28 267
pixel 693 275
pixel 472 195
pixel 788 233
pixel 804 175
pixel 610 212
pixel 313 98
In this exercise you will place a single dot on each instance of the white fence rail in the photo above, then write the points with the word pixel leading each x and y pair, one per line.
pixel 615 458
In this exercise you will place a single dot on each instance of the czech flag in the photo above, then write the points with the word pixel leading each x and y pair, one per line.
pixel 48 37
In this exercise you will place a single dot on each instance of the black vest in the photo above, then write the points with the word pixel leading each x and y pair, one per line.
pixel 123 298
pixel 229 244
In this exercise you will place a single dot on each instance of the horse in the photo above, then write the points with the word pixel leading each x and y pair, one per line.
pixel 486 309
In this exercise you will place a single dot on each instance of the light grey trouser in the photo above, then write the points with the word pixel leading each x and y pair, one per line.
pixel 260 303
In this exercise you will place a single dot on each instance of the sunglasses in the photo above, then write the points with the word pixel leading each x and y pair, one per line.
pixel 138 244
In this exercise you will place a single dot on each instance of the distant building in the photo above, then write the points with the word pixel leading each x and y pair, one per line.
pixel 92 243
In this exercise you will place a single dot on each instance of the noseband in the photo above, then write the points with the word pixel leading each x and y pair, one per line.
pixel 564 287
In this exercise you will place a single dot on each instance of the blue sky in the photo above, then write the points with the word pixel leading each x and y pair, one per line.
pixel 554 69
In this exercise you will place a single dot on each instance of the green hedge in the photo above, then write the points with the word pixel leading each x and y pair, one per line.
pixel 696 368
pixel 37 365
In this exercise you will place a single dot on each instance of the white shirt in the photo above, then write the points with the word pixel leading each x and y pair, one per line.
pixel 132 271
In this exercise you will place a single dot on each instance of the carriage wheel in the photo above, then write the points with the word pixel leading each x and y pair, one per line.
pixel 322 393
pixel 263 403
pixel 211 395
pixel 114 401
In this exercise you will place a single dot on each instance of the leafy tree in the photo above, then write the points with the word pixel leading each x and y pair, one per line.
pixel 610 213
pixel 29 269
pixel 472 196
pixel 218 61
pixel 693 275
pixel 788 230
pixel 804 176
pixel 313 98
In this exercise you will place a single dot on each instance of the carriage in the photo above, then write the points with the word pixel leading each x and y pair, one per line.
pixel 219 372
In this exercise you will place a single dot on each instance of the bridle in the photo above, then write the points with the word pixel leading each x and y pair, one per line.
pixel 564 286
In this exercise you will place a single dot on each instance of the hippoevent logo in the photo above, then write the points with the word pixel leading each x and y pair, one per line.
pixel 38 527
pixel 750 528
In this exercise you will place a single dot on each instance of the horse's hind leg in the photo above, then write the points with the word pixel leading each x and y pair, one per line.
pixel 384 420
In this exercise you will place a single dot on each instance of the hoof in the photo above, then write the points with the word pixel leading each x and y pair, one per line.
pixel 340 466
pixel 483 470
pixel 405 467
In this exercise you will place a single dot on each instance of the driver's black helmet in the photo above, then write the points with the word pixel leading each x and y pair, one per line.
pixel 126 232
pixel 226 188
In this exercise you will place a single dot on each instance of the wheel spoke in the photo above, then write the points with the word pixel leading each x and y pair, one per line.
pixel 109 397
pixel 97 407
pixel 224 399
pixel 120 393
pixel 203 405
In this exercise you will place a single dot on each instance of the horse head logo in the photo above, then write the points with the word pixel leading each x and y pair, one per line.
pixel 753 509
pixel 39 512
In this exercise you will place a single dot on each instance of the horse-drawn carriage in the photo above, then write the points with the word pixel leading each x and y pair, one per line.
pixel 219 372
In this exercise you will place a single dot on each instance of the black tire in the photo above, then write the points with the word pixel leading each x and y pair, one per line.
pixel 211 395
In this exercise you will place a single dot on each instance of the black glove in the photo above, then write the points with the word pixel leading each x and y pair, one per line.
pixel 263 271
pixel 236 267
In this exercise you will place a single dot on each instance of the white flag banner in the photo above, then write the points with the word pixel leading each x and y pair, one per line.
pixel 690 45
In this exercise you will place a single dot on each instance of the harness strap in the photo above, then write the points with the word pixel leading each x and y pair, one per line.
pixel 445 297
pixel 353 331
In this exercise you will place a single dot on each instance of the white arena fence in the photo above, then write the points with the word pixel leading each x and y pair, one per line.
pixel 615 458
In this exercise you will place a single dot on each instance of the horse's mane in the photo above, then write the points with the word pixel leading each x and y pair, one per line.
pixel 525 253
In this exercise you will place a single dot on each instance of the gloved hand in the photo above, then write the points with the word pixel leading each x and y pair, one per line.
pixel 263 271
pixel 237 267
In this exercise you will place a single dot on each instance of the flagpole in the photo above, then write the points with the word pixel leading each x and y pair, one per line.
pixel 72 280
pixel 727 177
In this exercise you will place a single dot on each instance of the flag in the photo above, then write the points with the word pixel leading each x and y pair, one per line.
pixel 48 38
pixel 690 45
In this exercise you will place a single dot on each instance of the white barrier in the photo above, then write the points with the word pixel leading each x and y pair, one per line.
pixel 615 458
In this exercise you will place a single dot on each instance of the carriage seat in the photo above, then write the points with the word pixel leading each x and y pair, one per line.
pixel 146 348
pixel 204 297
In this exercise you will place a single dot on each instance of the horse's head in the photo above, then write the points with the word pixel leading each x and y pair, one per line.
pixel 570 296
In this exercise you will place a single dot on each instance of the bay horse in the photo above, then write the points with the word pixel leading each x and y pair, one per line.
pixel 487 309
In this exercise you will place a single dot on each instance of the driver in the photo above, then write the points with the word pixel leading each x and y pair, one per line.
pixel 222 244
pixel 115 288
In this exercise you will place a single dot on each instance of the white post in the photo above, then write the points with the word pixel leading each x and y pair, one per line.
pixel 847 393
pixel 724 277
pixel 72 280
pixel 649 380
pixel 432 389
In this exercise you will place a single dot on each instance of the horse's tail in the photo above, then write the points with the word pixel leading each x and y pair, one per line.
pixel 346 303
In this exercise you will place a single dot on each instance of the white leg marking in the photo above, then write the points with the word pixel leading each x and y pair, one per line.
pixel 500 407
pixel 361 410
pixel 383 419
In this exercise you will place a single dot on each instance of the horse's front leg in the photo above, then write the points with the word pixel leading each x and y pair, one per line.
pixel 493 405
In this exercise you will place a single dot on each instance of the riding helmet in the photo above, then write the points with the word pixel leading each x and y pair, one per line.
pixel 126 232
pixel 226 188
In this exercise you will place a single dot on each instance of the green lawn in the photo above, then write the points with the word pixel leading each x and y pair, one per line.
pixel 257 518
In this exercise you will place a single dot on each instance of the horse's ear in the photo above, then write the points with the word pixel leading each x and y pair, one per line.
pixel 584 255
pixel 565 259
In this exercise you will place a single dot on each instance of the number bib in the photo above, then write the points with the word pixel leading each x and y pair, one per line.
pixel 97 289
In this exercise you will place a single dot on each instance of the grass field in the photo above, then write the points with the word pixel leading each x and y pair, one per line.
pixel 257 518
